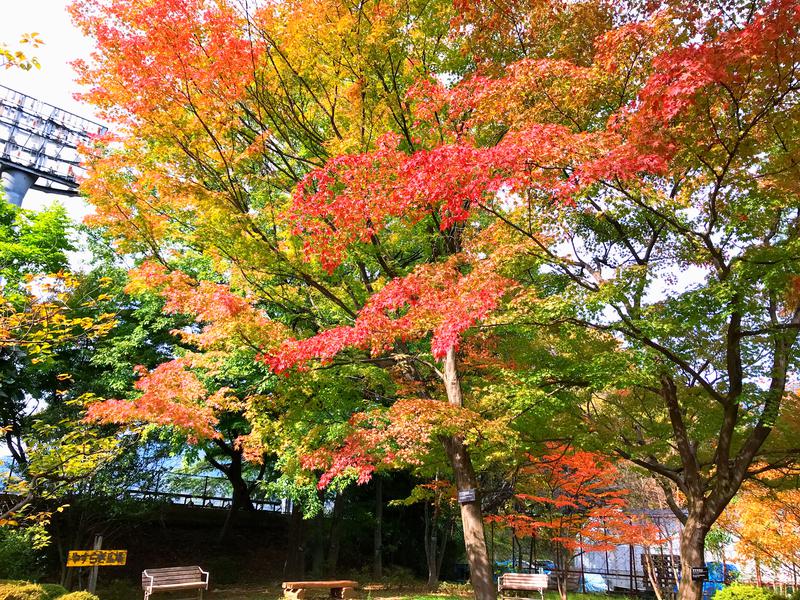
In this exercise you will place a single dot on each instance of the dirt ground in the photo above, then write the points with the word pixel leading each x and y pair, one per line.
pixel 413 591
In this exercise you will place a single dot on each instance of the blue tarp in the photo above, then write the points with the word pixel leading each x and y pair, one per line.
pixel 718 578
pixel 594 583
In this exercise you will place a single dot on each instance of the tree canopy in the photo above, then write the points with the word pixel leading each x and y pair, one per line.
pixel 501 224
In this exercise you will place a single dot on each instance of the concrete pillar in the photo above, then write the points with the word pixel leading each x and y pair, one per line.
pixel 16 184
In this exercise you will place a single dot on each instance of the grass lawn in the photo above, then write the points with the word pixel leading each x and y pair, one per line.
pixel 396 590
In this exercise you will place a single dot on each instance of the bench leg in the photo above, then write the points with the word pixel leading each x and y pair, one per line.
pixel 345 593
pixel 294 594
pixel 199 593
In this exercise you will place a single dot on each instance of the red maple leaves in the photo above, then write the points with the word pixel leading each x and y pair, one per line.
pixel 398 436
pixel 437 298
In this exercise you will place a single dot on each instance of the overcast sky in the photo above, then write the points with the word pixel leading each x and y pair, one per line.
pixel 54 82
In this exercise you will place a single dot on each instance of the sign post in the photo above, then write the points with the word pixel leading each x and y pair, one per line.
pixel 92 585
pixel 96 558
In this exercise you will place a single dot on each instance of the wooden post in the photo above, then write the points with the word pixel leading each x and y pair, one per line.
pixel 92 584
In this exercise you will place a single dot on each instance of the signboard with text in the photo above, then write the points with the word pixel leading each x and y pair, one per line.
pixel 467 496
pixel 97 558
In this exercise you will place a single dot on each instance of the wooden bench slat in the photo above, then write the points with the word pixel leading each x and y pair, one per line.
pixel 174 578
pixel 170 575
pixel 318 584
pixel 525 582
pixel 195 577
pixel 157 582
pixel 187 577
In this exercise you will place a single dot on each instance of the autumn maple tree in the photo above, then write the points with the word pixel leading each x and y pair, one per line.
pixel 611 174
pixel 202 395
pixel 765 524
pixel 573 499
pixel 390 180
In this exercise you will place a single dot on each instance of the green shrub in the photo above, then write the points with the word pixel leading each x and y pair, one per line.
pixel 743 592
pixel 81 595
pixel 53 590
pixel 22 590
pixel 20 554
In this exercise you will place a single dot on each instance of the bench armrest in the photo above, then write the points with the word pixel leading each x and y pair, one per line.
pixel 206 576
pixel 152 579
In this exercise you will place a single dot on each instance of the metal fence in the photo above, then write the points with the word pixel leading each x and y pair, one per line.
pixel 207 491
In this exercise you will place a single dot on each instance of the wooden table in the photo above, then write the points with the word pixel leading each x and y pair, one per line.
pixel 297 590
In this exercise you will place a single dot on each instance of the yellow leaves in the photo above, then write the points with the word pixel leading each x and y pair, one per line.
pixel 43 319
pixel 16 58
pixel 766 523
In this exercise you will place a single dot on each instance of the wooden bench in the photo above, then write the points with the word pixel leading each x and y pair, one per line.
pixel 174 579
pixel 297 590
pixel 523 582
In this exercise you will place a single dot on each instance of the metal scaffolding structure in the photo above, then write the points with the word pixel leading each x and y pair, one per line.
pixel 39 146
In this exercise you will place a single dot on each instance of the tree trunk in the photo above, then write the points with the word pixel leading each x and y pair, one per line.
pixel 318 552
pixel 443 546
pixel 240 498
pixel 480 570
pixel 295 565
pixel 377 545
pixel 562 574
pixel 693 541
pixel 431 546
pixel 336 535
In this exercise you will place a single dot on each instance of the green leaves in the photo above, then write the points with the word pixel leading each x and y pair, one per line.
pixel 32 243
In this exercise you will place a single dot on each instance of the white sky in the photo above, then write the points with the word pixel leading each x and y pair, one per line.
pixel 54 81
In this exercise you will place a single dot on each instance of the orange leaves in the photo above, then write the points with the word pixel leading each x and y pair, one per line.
pixel 177 393
pixel 517 28
pixel 766 523
pixel 706 93
pixel 357 196
pixel 170 53
pixel 577 502
pixel 171 394
pixel 228 319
